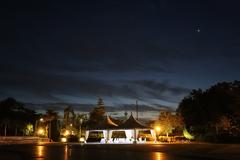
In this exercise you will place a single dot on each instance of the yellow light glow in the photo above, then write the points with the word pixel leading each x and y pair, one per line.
pixel 66 133
pixel 40 131
pixel 158 129
pixel 159 156
pixel 40 151
pixel 81 139
pixel 187 135
pixel 41 119
pixel 63 139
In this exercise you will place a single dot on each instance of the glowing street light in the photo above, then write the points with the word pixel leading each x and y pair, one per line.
pixel 40 131
pixel 41 119
pixel 66 133
pixel 63 139
pixel 82 140
pixel 158 129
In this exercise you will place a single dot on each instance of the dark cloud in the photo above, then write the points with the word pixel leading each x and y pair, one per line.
pixel 119 50
pixel 46 84
pixel 51 86
pixel 161 90
pixel 78 107
pixel 162 87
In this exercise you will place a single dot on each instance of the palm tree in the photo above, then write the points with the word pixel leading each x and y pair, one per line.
pixel 80 119
pixel 49 117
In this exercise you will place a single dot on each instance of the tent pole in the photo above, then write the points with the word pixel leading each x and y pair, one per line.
pixel 135 136
pixel 107 141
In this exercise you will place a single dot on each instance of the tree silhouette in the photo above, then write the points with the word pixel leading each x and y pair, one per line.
pixel 98 113
pixel 50 117
pixel 205 112
pixel 14 117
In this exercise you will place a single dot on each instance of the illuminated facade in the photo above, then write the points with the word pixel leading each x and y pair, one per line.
pixel 131 129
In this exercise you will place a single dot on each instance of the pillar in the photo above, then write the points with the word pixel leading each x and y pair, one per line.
pixel 134 136
pixel 86 135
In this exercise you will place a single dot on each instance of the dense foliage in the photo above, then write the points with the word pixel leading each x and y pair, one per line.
pixel 98 113
pixel 214 113
pixel 15 119
pixel 170 123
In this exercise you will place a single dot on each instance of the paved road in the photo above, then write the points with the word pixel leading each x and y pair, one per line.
pixel 73 151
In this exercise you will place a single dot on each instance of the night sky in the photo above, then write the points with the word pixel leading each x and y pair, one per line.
pixel 155 51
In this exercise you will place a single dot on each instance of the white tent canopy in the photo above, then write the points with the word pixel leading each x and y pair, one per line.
pixel 131 127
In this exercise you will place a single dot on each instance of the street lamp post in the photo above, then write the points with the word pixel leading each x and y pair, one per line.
pixel 50 130
pixel 80 128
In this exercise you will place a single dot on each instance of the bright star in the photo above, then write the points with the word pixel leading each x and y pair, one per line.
pixel 198 30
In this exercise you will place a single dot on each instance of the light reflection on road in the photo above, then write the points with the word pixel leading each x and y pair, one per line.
pixel 75 152
pixel 67 152
pixel 40 151
pixel 116 152
pixel 45 152
pixel 158 156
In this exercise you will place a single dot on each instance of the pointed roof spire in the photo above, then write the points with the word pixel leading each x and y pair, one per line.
pixel 109 121
pixel 132 123
pixel 106 124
